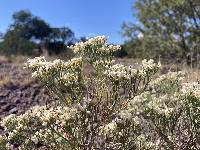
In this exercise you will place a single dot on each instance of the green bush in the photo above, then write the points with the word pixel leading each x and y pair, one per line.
pixel 111 107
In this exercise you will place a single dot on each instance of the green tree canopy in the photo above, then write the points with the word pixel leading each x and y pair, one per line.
pixel 166 27
pixel 28 34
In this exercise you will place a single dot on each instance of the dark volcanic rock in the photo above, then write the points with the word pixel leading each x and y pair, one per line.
pixel 18 91
pixel 13 110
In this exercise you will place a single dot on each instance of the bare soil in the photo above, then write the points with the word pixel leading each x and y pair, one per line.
pixel 18 90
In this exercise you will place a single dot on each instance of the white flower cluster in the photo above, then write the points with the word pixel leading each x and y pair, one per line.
pixel 109 128
pixel 74 63
pixel 179 76
pixel 148 67
pixel 127 115
pixel 135 104
pixel 191 89
pixel 119 71
pixel 143 143
pixel 56 71
pixel 69 78
pixel 161 105
pixel 36 123
pixel 99 42
pixel 150 64
pixel 165 98
pixel 114 146
pixel 42 67
pixel 37 61
pixel 3 144
pixel 103 64
pixel 96 51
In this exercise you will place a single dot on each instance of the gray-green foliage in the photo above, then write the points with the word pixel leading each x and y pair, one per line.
pixel 14 44
pixel 168 28
pixel 111 107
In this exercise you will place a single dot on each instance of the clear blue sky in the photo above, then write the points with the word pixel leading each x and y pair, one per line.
pixel 85 17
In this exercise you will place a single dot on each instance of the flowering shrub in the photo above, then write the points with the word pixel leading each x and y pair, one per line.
pixel 112 107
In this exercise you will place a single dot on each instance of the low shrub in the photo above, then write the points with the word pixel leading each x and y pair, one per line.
pixel 117 107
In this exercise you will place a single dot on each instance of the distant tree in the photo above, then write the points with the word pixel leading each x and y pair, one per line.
pixel 28 33
pixel 40 30
pixel 1 45
pixel 1 35
pixel 169 28
pixel 66 35
pixel 13 44
pixel 83 39
pixel 58 39
pixel 22 24
pixel 24 34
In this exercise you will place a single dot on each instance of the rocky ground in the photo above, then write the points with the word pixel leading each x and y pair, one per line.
pixel 18 91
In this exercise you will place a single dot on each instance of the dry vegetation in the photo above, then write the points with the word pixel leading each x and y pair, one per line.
pixel 110 105
pixel 14 79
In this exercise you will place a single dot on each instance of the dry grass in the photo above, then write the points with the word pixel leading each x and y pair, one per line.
pixel 3 58
pixel 192 74
pixel 4 81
